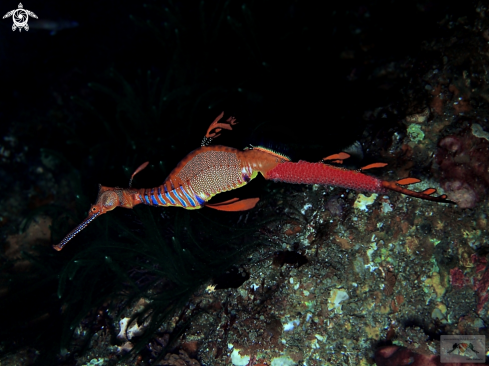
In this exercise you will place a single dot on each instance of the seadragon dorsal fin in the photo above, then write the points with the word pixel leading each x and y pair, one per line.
pixel 271 151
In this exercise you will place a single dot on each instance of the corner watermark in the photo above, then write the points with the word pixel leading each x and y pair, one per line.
pixel 463 349
pixel 20 17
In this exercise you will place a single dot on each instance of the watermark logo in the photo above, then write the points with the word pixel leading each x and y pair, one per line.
pixel 462 349
pixel 20 17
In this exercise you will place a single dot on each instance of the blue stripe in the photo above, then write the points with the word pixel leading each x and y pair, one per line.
pixel 147 200
pixel 169 198
pixel 188 197
pixel 153 199
pixel 160 196
pixel 179 198
pixel 200 200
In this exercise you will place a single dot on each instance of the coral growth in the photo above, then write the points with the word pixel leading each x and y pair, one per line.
pixel 463 162
pixel 457 278
pixel 479 282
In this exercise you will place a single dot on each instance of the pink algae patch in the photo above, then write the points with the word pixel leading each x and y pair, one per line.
pixel 457 278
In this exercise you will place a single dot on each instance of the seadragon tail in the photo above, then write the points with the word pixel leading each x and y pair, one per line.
pixel 426 194
pixel 318 173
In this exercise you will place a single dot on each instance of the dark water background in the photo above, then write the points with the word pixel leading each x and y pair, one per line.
pixel 136 82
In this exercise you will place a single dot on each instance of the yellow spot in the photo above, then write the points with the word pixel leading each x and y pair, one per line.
pixel 363 289
pixel 412 244
pixel 363 362
pixel 384 309
pixel 438 285
pixel 372 332
pixel 442 307
pixel 439 312
pixel 370 304
pixel 337 296
pixel 465 257
pixel 211 288
pixel 363 201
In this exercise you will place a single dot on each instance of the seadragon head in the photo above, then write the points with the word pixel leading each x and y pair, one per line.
pixel 107 200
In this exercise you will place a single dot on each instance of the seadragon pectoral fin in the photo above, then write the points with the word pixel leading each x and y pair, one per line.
pixel 234 204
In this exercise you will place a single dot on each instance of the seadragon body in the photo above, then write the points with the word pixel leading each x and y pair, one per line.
pixel 210 170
